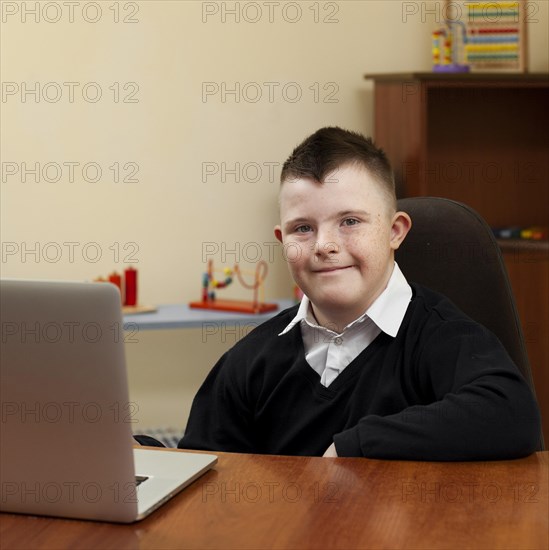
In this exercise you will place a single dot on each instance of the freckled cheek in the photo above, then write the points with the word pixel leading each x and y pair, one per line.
pixel 295 252
pixel 297 257
pixel 367 251
pixel 358 245
pixel 300 273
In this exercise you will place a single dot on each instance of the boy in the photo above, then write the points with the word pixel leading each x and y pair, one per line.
pixel 367 364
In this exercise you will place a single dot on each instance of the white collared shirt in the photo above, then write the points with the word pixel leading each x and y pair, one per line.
pixel 328 352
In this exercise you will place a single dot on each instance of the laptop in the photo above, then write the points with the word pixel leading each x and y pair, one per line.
pixel 66 444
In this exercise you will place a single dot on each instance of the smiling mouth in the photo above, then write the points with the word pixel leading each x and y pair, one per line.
pixel 332 269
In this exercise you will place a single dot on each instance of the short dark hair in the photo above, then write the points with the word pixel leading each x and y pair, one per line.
pixel 331 148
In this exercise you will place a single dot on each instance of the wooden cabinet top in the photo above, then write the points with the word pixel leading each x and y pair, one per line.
pixel 477 78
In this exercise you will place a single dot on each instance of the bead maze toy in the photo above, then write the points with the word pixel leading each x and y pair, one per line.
pixel 210 284
pixel 447 48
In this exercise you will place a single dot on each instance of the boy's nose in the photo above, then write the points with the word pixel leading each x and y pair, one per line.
pixel 326 247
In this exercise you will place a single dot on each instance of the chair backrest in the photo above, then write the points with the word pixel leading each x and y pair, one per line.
pixel 452 250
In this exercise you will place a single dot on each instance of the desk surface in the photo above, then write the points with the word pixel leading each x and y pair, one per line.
pixel 174 316
pixel 256 501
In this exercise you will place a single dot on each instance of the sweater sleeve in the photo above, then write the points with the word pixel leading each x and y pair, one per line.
pixel 219 419
pixel 476 405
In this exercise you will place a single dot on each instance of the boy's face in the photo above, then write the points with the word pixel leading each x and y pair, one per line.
pixel 339 239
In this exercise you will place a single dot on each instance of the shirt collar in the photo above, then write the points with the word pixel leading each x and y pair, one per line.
pixel 301 315
pixel 387 311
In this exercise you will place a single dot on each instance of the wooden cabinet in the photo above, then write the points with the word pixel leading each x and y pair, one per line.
pixel 482 139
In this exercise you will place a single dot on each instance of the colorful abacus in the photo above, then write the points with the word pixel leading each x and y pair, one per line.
pixel 496 37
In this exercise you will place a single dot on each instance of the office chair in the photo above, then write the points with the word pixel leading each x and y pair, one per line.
pixel 452 250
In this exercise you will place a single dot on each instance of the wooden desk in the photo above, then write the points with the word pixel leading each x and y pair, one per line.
pixel 254 502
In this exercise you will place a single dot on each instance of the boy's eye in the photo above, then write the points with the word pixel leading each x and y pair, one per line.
pixel 303 229
pixel 350 221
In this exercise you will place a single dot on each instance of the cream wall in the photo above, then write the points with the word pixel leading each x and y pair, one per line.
pixel 153 68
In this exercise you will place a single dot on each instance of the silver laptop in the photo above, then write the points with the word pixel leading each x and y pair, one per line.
pixel 66 445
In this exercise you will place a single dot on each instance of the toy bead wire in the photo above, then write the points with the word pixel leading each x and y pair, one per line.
pixel 261 270
pixel 209 280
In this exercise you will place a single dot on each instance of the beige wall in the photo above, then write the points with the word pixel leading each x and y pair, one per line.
pixel 154 116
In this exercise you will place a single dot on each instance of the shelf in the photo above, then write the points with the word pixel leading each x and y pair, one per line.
pixel 469 138
pixel 181 316
pixel 480 139
pixel 523 244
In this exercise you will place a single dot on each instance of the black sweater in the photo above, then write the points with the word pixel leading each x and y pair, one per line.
pixel 443 389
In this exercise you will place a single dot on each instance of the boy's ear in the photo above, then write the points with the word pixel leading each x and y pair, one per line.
pixel 399 229
pixel 278 233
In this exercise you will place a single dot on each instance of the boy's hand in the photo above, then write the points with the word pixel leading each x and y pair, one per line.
pixel 331 451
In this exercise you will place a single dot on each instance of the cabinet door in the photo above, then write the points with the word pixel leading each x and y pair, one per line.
pixel 528 267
